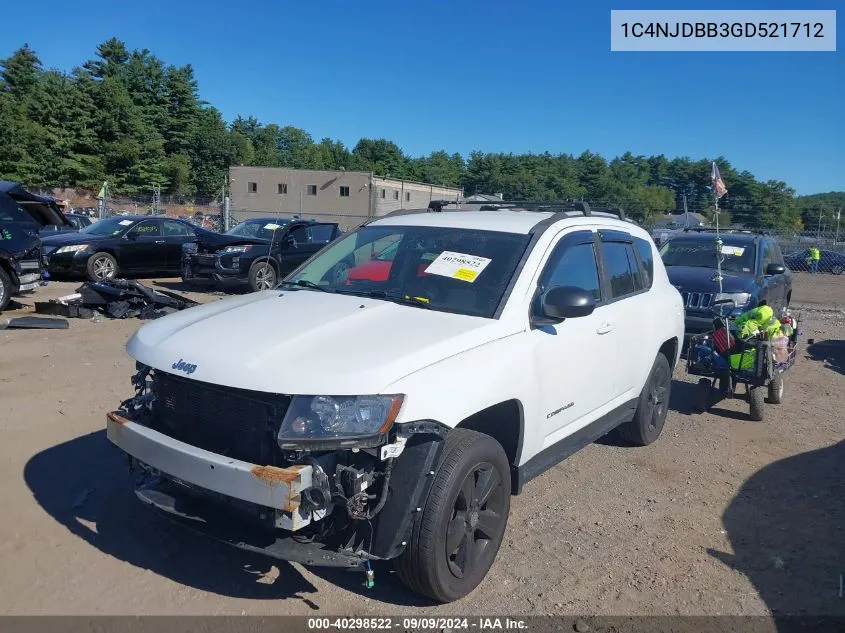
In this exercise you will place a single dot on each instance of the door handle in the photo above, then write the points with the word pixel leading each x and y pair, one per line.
pixel 160 241
pixel 604 328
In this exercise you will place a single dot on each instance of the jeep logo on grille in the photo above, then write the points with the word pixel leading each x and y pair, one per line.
pixel 183 366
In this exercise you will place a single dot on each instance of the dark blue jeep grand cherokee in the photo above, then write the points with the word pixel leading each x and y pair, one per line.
pixel 753 273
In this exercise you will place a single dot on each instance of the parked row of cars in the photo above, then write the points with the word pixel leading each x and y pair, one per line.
pixel 37 238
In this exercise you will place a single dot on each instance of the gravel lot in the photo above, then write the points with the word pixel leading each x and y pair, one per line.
pixel 721 516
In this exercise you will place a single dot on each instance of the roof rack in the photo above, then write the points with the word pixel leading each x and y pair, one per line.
pixel 553 206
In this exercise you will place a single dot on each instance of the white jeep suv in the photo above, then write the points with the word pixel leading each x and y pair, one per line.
pixel 388 398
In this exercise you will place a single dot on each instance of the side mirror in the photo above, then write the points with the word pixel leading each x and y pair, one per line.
pixel 775 269
pixel 567 302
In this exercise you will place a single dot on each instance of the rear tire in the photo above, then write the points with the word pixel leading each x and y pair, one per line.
pixel 837 269
pixel 455 538
pixel 652 407
pixel 757 403
pixel 5 289
pixel 262 276
pixel 776 389
pixel 101 266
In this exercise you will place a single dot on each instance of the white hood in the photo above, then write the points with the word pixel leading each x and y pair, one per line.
pixel 307 342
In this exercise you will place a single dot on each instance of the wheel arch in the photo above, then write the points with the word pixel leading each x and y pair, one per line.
pixel 504 422
pixel 669 349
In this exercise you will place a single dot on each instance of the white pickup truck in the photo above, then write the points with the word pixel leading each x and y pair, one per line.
pixel 388 398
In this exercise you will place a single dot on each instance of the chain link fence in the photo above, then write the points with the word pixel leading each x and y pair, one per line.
pixel 214 214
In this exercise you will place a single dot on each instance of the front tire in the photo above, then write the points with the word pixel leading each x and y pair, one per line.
pixel 457 534
pixel 652 407
pixel 776 389
pixel 5 289
pixel 262 276
pixel 757 403
pixel 837 269
pixel 101 266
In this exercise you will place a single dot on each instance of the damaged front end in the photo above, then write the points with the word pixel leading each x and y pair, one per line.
pixel 316 480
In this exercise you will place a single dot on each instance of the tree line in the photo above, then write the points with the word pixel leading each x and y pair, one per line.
pixel 131 119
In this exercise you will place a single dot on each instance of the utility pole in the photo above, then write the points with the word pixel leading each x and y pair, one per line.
pixel 819 229
pixel 838 213
pixel 156 199
pixel 686 215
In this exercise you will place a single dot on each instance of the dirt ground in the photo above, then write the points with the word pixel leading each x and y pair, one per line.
pixel 721 516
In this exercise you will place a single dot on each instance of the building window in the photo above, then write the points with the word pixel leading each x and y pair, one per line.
pixel 407 196
pixel 344 192
pixel 311 190
pixel 395 195
pixel 283 188
pixel 252 187
pixel 383 194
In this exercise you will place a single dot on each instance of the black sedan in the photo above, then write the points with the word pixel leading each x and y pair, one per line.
pixel 258 251
pixel 830 261
pixel 134 245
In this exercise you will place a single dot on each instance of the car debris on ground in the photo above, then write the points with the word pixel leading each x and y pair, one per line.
pixel 34 323
pixel 116 299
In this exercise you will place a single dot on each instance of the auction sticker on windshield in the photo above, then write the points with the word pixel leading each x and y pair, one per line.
pixel 733 250
pixel 125 222
pixel 458 266
pixel 272 227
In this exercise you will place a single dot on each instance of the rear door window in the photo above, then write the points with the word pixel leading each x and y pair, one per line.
pixel 621 268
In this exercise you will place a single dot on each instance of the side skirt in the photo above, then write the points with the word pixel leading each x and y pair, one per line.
pixel 571 444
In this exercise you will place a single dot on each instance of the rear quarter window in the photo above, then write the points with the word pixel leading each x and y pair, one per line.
pixel 646 253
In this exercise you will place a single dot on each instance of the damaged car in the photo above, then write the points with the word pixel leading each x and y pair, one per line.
pixel 257 251
pixel 20 262
pixel 393 415
pixel 27 210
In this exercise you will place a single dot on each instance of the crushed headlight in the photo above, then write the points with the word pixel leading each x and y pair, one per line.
pixel 338 417
pixel 236 249
pixel 76 248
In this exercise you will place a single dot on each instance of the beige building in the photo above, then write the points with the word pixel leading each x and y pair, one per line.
pixel 347 197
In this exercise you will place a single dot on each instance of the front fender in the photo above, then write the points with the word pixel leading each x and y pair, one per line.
pixel 459 386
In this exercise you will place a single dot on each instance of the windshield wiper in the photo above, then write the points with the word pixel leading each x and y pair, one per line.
pixel 303 283
pixel 381 294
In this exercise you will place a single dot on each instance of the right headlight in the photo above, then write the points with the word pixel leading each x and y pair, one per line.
pixel 236 249
pixel 72 249
pixel 740 299
pixel 321 418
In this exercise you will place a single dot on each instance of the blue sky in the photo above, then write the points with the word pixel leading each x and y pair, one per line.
pixel 488 75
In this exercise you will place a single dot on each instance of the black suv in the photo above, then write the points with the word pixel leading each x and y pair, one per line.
pixel 753 273
pixel 242 254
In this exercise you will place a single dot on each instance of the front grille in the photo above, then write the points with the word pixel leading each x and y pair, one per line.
pixel 697 299
pixel 237 423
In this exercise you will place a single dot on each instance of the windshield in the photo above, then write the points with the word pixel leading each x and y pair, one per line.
pixel 701 253
pixel 262 229
pixel 109 226
pixel 464 271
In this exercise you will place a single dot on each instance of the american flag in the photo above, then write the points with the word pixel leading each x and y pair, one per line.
pixel 718 184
